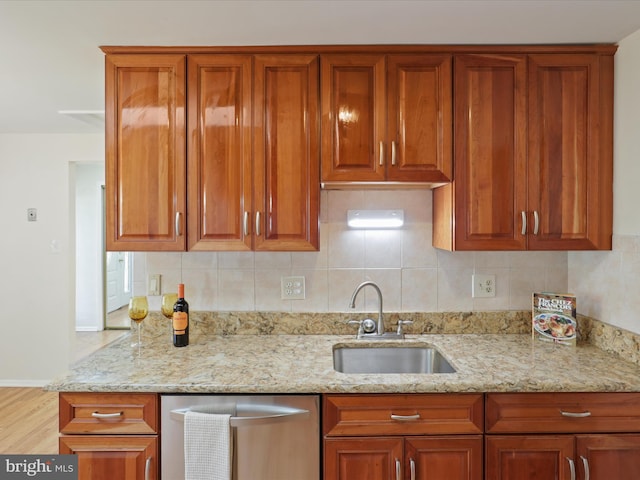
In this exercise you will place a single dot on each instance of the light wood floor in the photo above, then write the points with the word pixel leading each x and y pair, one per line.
pixel 29 416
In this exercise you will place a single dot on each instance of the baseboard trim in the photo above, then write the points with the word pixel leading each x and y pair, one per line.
pixel 24 383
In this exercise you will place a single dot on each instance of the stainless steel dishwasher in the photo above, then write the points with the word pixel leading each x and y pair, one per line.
pixel 277 437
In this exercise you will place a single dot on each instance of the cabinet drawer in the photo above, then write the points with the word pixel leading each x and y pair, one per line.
pixel 108 413
pixel 415 414
pixel 562 412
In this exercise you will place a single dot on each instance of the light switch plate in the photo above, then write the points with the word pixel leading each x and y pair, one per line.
pixel 154 284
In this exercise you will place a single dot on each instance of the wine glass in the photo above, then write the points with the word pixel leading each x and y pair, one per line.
pixel 138 310
pixel 168 300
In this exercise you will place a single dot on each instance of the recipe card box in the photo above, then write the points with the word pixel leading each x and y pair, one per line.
pixel 554 318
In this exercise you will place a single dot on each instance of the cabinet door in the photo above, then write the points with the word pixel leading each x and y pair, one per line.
pixel 609 456
pixel 490 152
pixel 528 457
pixel 483 208
pixel 353 118
pixel 419 118
pixel 286 163
pixel 363 459
pixel 103 457
pixel 220 175
pixel 570 175
pixel 444 458
pixel 145 152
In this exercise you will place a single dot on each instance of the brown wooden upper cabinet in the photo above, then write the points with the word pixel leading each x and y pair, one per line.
pixel 145 152
pixel 253 174
pixel 386 118
pixel 270 202
pixel 533 154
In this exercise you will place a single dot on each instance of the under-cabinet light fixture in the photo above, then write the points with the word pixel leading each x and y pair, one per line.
pixel 375 218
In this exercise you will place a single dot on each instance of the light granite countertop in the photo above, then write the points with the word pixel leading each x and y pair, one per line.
pixel 253 363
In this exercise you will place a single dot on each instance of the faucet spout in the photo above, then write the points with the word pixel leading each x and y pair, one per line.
pixel 352 304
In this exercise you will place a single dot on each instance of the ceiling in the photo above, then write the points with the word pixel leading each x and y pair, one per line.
pixel 50 60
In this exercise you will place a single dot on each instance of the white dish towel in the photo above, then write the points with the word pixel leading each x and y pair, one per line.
pixel 208 446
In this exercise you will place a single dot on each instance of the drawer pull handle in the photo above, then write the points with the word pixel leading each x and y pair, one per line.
pixel 585 463
pixel 245 224
pixel 178 224
pixel 398 470
pixel 106 415
pixel 572 467
pixel 405 418
pixel 575 414
pixel 413 469
pixel 523 215
pixel 147 469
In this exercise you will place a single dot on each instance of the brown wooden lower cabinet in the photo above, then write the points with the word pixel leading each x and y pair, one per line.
pixel 115 435
pixel 397 458
pixel 580 457
pixel 563 436
pixel 109 457
pixel 402 437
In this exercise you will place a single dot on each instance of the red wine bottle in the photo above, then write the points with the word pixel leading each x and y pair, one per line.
pixel 180 319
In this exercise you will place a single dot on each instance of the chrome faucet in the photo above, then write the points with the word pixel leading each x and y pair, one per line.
pixel 352 304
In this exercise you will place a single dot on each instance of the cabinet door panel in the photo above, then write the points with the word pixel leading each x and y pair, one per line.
pixel 145 152
pixel 444 458
pixel 362 459
pixel 110 457
pixel 567 186
pixel 490 152
pixel 609 456
pixel 353 117
pixel 287 183
pixel 528 457
pixel 219 124
pixel 419 117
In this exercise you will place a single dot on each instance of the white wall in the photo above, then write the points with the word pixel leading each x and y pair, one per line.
pixel 36 261
pixel 608 283
pixel 89 246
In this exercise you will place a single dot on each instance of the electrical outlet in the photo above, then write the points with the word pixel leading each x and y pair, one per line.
pixel 292 288
pixel 483 286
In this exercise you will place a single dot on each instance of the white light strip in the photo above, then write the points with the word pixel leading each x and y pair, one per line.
pixel 375 218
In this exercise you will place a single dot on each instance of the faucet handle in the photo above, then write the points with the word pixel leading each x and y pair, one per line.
pixel 356 322
pixel 365 326
pixel 401 323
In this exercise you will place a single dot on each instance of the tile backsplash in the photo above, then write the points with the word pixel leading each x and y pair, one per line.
pixel 413 276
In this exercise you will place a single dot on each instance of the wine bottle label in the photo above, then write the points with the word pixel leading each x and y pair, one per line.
pixel 180 322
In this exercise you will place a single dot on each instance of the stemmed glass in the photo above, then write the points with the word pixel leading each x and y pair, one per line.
pixel 138 310
pixel 168 301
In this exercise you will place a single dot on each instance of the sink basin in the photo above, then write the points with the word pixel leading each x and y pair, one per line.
pixel 389 359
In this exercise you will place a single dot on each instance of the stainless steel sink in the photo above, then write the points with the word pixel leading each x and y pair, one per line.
pixel 389 359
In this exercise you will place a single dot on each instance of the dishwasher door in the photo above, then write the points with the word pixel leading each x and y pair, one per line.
pixel 277 436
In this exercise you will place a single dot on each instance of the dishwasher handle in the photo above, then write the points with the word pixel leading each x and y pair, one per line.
pixel 266 414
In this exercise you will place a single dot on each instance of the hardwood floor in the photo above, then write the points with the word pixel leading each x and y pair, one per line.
pixel 29 416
